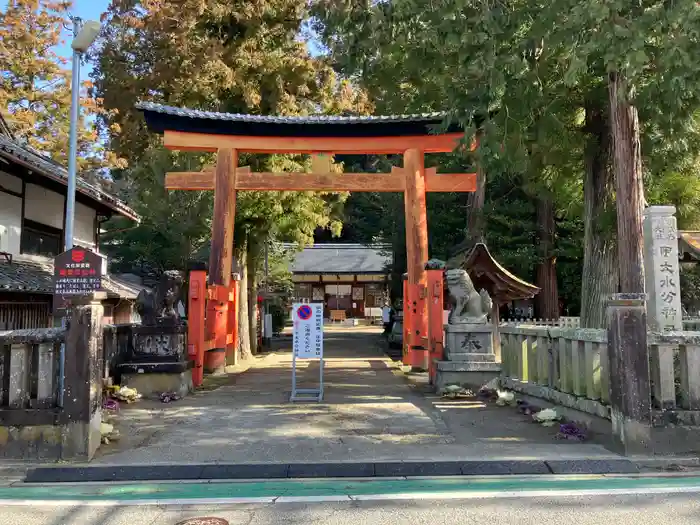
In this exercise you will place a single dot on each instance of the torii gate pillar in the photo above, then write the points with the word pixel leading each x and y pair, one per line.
pixel 415 313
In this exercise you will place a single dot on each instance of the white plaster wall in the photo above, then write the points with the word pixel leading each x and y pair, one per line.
pixel 84 226
pixel 10 223
pixel 10 182
pixel 44 206
pixel 47 207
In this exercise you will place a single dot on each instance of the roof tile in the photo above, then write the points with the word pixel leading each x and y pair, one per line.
pixel 342 259
pixel 312 119
pixel 35 275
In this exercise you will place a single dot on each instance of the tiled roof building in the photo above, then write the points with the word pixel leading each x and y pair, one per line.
pixel 351 278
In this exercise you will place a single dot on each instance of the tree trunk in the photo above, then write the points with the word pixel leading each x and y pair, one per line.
pixel 547 301
pixel 244 350
pixel 252 297
pixel 475 211
pixel 629 184
pixel 600 269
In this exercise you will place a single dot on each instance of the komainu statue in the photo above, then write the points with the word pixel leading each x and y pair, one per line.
pixel 435 264
pixel 158 306
pixel 468 305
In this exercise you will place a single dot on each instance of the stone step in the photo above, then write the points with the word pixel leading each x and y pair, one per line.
pixel 468 366
pixel 464 356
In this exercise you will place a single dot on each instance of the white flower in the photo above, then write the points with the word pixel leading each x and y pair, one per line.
pixel 547 417
pixel 505 397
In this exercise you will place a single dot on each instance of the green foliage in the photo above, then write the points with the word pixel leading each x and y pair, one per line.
pixel 511 233
pixel 690 288
pixel 225 56
pixel 175 226
pixel 35 86
pixel 279 282
pixel 569 256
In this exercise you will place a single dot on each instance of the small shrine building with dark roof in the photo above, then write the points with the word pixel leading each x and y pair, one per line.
pixel 345 277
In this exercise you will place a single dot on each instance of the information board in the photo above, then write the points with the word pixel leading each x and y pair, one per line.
pixel 308 330
pixel 77 272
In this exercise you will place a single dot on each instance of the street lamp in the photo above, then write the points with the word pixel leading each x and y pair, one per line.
pixel 84 34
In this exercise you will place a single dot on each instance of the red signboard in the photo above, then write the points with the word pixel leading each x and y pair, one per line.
pixel 76 272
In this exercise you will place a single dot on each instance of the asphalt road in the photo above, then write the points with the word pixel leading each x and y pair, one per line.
pixel 661 509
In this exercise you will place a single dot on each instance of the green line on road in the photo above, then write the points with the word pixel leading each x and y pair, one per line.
pixel 303 488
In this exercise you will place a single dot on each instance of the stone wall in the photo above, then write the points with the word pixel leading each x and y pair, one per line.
pixel 41 416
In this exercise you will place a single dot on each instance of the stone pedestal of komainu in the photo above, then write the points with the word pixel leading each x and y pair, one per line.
pixel 158 361
pixel 468 305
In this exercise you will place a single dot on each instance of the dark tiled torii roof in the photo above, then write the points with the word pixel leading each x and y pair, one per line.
pixel 342 259
pixel 161 117
pixel 35 275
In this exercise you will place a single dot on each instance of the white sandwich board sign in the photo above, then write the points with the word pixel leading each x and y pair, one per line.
pixel 307 343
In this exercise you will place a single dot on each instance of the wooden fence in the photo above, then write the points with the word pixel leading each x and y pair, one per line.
pixel 691 324
pixel 570 367
pixel 29 375
pixel 567 366
pixel 568 322
pixel 675 376
pixel 24 315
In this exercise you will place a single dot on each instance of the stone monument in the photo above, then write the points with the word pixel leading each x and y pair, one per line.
pixel 663 288
pixel 661 269
pixel 469 357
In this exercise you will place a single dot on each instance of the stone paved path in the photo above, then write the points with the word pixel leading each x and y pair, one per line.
pixel 370 412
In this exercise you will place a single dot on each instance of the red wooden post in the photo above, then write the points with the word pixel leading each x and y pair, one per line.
pixel 417 254
pixel 195 323
pixel 221 258
pixel 417 334
pixel 406 323
pixel 435 321
pixel 216 328
pixel 232 324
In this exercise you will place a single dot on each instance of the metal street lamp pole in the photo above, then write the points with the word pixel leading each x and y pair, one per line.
pixel 84 34
pixel 73 140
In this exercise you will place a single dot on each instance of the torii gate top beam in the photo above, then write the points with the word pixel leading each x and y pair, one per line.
pixel 186 129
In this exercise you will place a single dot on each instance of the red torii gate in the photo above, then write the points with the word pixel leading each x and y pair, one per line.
pixel 228 134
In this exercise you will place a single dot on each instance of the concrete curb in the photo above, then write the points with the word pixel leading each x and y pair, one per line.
pixel 84 473
pixel 383 470
pixel 667 464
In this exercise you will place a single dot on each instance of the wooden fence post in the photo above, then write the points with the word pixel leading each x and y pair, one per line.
pixel 630 389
